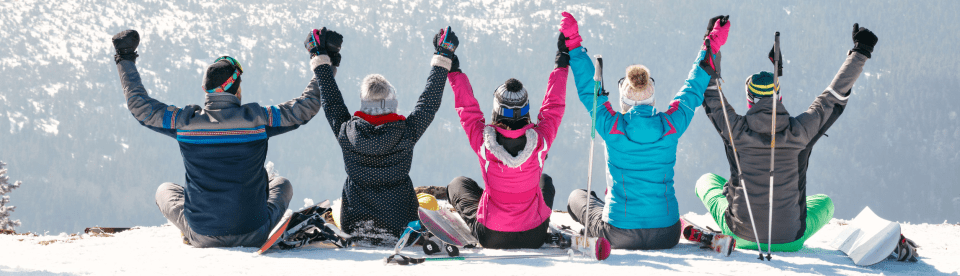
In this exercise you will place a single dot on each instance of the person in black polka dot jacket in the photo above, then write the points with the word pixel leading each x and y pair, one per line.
pixel 378 143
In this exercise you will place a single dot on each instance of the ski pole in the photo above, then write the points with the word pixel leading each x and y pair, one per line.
pixel 404 260
pixel 773 135
pixel 598 88
pixel 736 158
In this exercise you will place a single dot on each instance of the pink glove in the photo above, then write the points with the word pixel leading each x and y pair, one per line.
pixel 570 30
pixel 718 36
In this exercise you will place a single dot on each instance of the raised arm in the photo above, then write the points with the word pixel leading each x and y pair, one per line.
pixel 151 113
pixel 715 112
pixel 292 114
pixel 471 118
pixel 445 42
pixel 837 94
pixel 684 104
pixel 583 73
pixel 324 47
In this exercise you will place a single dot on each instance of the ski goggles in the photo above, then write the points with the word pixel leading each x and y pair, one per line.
pixel 515 112
pixel 238 70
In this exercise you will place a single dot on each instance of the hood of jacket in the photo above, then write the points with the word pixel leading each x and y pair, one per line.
pixel 758 117
pixel 642 121
pixel 370 139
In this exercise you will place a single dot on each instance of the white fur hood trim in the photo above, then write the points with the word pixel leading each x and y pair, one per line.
pixel 490 142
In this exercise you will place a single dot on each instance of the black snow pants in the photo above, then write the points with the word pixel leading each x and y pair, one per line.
pixel 651 238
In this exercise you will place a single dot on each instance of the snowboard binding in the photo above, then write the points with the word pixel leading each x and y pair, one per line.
pixel 415 234
pixel 310 226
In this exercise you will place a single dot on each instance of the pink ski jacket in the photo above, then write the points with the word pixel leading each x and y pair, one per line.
pixel 511 201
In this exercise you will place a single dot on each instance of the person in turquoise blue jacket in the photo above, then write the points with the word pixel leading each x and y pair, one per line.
pixel 639 210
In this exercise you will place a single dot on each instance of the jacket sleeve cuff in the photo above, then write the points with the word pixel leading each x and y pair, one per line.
pixel 441 61
pixel 319 60
pixel 857 55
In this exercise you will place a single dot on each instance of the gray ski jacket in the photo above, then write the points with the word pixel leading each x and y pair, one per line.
pixel 795 137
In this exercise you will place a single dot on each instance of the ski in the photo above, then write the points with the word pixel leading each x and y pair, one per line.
pixel 707 237
pixel 404 260
pixel 563 236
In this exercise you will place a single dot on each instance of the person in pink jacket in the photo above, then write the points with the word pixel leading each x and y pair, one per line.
pixel 514 209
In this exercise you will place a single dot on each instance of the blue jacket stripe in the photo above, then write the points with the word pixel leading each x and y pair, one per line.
pixel 276 116
pixel 225 139
pixel 166 118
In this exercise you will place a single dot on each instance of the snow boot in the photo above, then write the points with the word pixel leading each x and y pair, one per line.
pixel 708 238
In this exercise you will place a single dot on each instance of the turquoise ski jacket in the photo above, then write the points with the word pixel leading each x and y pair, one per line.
pixel 641 148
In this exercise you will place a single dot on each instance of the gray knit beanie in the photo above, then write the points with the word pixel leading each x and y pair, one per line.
pixel 510 102
pixel 377 96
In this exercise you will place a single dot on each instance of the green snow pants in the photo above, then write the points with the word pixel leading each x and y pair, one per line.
pixel 710 190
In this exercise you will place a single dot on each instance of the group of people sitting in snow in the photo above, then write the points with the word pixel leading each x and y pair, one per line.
pixel 229 199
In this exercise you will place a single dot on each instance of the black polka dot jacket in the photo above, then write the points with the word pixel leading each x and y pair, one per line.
pixel 378 157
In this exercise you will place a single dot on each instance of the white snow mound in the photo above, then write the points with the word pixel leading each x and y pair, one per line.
pixel 159 250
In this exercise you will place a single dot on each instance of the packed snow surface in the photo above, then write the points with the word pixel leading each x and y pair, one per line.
pixel 158 250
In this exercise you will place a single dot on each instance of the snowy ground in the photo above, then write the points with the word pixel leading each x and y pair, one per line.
pixel 158 250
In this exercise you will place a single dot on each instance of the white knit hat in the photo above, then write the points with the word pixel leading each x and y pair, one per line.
pixel 636 89
pixel 377 96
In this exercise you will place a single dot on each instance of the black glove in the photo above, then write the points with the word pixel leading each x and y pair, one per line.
pixel 126 43
pixel 863 40
pixel 335 59
pixel 455 65
pixel 713 71
pixel 774 62
pixel 445 42
pixel 315 41
pixel 563 53
pixel 713 21
pixel 334 41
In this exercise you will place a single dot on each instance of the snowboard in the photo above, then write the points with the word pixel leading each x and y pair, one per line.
pixel 276 232
pixel 868 239
pixel 707 237
pixel 105 230
pixel 308 226
pixel 449 228
pixel 565 237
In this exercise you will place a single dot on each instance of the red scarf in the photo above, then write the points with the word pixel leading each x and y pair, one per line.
pixel 379 119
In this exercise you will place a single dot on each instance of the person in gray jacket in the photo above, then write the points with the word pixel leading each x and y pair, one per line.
pixel 229 199
pixel 796 216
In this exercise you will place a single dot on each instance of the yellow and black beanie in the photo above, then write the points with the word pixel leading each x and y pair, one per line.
pixel 760 85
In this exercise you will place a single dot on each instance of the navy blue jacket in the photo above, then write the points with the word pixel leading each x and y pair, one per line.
pixel 224 145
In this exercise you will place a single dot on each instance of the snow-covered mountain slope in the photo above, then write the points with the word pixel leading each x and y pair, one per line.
pixel 65 132
pixel 158 251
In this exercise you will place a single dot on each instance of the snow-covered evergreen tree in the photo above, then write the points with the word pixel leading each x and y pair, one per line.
pixel 5 187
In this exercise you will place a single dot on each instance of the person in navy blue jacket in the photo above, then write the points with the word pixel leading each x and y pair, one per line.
pixel 229 199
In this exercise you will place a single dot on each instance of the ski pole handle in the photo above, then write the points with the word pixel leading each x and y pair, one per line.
pixel 598 75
